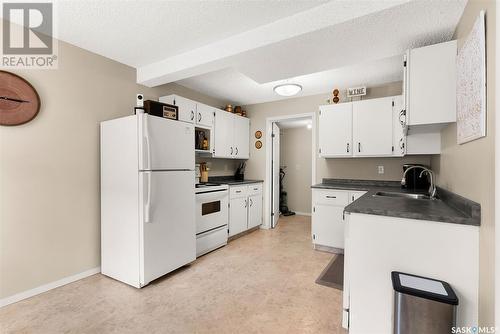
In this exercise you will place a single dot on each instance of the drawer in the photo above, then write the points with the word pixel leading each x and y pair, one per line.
pixel 254 189
pixel 211 240
pixel 330 197
pixel 238 191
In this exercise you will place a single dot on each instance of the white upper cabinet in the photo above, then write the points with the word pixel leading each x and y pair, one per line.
pixel 223 135
pixel 205 115
pixel 241 137
pixel 335 130
pixel 231 136
pixel 431 84
pixel 372 127
pixel 187 107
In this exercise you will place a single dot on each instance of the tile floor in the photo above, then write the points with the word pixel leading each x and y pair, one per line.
pixel 260 283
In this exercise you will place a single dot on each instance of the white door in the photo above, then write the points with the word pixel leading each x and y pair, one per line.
pixel 187 107
pixel 223 134
pixel 205 115
pixel 238 215
pixel 241 137
pixel 328 225
pixel 165 144
pixel 254 210
pixel 335 130
pixel 372 127
pixel 275 205
pixel 167 222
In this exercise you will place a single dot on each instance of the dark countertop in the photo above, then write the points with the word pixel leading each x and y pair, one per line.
pixel 448 208
pixel 231 181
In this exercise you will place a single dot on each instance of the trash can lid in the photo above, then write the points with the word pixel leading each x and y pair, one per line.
pixel 423 287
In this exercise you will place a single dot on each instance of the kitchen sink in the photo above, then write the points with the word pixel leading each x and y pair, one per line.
pixel 402 195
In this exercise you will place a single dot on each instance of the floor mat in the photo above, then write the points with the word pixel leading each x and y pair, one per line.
pixel 333 275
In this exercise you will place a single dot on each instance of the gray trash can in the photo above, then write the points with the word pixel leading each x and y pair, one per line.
pixel 422 305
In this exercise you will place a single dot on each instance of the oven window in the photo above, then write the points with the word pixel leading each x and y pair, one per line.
pixel 210 207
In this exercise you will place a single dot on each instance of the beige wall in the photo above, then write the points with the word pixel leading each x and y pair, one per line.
pixel 49 170
pixel 469 169
pixel 295 154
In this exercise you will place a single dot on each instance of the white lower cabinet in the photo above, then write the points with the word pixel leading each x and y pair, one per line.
pixel 328 216
pixel 254 210
pixel 245 207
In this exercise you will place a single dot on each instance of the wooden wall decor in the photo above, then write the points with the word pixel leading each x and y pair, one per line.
pixel 19 101
pixel 258 144
pixel 258 134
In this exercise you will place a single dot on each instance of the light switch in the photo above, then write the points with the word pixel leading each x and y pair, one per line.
pixel 381 169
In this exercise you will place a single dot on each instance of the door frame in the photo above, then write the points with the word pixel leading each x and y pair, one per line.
pixel 268 179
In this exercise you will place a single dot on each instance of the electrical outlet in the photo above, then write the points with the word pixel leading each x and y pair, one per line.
pixel 381 169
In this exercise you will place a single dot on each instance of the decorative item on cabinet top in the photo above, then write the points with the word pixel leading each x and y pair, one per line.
pixel 19 101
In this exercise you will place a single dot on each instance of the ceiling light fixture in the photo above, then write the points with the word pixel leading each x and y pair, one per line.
pixel 287 89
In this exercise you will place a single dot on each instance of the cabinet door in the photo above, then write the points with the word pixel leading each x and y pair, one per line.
pixel 205 115
pixel 335 130
pixel 241 137
pixel 432 84
pixel 187 107
pixel 237 215
pixel 254 210
pixel 328 225
pixel 372 127
pixel 223 134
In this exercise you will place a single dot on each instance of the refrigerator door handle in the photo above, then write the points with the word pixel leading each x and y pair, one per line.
pixel 147 143
pixel 147 205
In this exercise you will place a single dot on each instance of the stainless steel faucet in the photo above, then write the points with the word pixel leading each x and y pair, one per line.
pixel 430 173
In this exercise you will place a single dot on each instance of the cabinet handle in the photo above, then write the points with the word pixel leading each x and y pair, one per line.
pixel 231 150
pixel 251 202
pixel 238 191
pixel 331 196
pixel 199 117
pixel 359 147
pixel 353 198
pixel 401 144
pixel 401 114
pixel 347 147
pixel 236 149
pixel 192 115
pixel 255 188
pixel 246 203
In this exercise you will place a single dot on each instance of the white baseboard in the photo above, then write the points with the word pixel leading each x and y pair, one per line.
pixel 302 213
pixel 46 287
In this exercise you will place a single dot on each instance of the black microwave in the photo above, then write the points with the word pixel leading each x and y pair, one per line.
pixel 160 109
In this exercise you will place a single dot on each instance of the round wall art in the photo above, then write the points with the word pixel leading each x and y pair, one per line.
pixel 258 144
pixel 19 101
pixel 258 134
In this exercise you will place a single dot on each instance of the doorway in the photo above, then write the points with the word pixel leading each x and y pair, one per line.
pixel 277 127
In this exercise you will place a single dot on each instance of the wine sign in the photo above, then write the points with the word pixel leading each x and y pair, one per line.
pixel 19 101
pixel 356 91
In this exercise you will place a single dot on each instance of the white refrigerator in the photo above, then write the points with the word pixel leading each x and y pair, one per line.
pixel 147 198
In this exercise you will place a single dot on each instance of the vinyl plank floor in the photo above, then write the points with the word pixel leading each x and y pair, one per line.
pixel 263 282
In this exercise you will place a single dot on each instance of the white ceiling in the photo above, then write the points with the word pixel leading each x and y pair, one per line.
pixel 239 50
pixel 140 32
